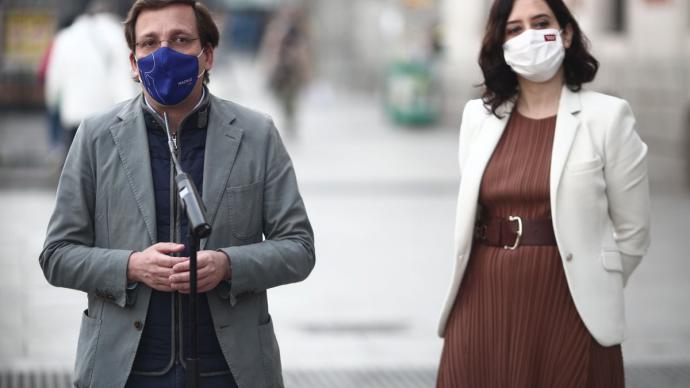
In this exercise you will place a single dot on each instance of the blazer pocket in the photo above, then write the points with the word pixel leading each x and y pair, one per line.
pixel 611 261
pixel 86 350
pixel 246 210
pixel 585 166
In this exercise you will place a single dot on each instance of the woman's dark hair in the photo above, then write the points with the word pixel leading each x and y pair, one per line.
pixel 500 81
pixel 208 31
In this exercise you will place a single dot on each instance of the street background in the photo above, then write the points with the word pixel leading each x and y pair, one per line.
pixel 379 177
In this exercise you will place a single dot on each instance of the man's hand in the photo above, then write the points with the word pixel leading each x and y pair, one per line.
pixel 212 268
pixel 153 266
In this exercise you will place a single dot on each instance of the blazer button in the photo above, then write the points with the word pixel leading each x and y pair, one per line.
pixel 138 325
pixel 569 257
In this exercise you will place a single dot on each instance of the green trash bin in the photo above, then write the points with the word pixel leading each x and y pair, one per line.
pixel 410 93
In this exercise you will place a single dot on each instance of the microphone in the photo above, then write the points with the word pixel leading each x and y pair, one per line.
pixel 187 192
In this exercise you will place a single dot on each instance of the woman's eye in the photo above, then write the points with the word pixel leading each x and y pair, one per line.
pixel 541 25
pixel 513 30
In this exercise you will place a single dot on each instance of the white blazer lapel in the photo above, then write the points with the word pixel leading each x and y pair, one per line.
pixel 481 148
pixel 567 125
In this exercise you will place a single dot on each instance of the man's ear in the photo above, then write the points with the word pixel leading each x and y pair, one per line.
pixel 134 68
pixel 208 61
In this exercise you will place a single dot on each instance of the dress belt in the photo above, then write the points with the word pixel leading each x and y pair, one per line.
pixel 512 232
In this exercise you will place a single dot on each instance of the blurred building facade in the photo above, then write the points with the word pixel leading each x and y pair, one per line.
pixel 356 39
pixel 642 45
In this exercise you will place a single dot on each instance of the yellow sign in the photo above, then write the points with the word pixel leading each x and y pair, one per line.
pixel 28 33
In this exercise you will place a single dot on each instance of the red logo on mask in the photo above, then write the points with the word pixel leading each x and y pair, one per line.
pixel 550 37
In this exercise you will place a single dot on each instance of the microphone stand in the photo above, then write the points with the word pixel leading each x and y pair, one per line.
pixel 198 228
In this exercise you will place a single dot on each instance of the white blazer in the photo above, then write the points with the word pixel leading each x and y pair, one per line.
pixel 599 201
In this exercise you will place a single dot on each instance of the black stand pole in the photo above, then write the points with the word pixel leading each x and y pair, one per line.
pixel 198 228
pixel 193 360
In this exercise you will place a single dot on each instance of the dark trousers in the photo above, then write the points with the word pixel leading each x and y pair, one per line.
pixel 175 378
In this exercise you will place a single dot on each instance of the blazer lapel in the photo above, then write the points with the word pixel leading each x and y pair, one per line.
pixel 129 135
pixel 567 125
pixel 222 143
pixel 483 147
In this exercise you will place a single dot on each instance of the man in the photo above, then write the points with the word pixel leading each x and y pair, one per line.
pixel 117 222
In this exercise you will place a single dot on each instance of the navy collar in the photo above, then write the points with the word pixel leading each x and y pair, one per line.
pixel 196 119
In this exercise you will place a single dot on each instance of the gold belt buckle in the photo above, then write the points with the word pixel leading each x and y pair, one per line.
pixel 519 233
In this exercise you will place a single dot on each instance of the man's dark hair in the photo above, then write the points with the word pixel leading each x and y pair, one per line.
pixel 207 29
pixel 500 81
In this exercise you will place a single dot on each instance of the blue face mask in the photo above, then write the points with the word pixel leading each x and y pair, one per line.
pixel 169 76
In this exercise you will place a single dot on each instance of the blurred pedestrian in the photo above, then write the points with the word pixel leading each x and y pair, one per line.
pixel 286 54
pixel 88 69
pixel 119 232
pixel 56 142
pixel 552 216
pixel 55 133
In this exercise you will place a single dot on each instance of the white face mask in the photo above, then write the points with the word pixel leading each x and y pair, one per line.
pixel 536 55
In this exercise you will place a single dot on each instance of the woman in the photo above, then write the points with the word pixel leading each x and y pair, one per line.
pixel 552 213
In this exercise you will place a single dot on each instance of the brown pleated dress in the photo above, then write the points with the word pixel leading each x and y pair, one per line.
pixel 514 323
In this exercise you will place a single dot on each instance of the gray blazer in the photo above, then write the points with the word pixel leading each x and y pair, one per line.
pixel 105 210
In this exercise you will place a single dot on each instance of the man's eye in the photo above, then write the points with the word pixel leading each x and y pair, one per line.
pixel 181 39
pixel 148 43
